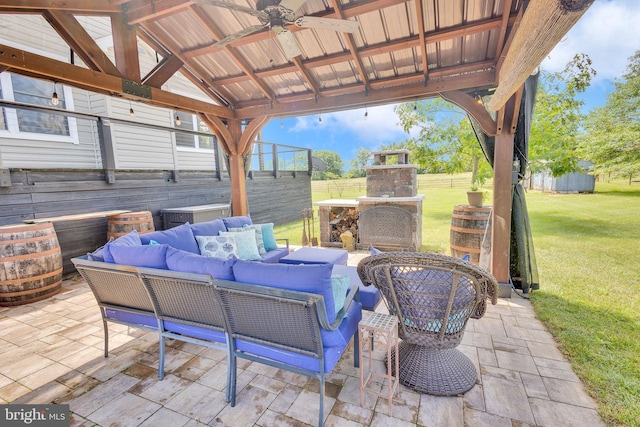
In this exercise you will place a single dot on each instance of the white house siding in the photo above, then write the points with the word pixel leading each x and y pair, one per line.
pixel 134 147
pixel 197 160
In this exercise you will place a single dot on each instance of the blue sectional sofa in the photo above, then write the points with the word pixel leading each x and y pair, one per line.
pixel 295 317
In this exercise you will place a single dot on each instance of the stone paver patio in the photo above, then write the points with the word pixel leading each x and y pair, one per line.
pixel 52 352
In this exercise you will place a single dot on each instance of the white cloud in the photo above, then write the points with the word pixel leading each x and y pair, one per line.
pixel 607 32
pixel 380 126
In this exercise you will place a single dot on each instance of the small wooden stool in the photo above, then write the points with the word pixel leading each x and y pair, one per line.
pixel 378 325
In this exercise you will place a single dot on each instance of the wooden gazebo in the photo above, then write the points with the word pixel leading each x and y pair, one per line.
pixel 255 64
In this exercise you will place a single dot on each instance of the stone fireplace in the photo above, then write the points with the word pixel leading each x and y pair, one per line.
pixel 389 217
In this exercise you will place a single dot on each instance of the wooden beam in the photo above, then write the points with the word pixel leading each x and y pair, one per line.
pixel 501 211
pixel 195 74
pixel 543 25
pixel 80 41
pixel 163 71
pixel 24 62
pixel 213 30
pixel 151 10
pixel 74 6
pixel 377 49
pixel 125 46
pixel 353 48
pixel 473 108
pixel 423 42
pixel 387 95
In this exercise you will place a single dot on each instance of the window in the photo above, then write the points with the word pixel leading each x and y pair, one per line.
pixel 187 140
pixel 35 124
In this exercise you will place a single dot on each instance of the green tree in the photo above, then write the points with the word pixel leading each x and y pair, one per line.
pixel 445 142
pixel 359 163
pixel 612 137
pixel 334 165
pixel 557 117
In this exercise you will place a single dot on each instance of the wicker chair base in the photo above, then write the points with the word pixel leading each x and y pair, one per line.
pixel 445 372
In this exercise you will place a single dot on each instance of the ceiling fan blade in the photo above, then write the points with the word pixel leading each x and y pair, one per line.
pixel 257 13
pixel 288 43
pixel 292 5
pixel 235 36
pixel 343 25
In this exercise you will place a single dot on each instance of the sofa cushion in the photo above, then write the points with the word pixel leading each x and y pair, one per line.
pixel 245 244
pixel 180 237
pixel 153 256
pixel 222 247
pixel 130 239
pixel 237 221
pixel 312 278
pixel 209 228
pixel 268 236
pixel 259 240
pixel 187 262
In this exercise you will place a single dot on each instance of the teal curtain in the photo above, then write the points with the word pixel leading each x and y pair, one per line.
pixel 523 268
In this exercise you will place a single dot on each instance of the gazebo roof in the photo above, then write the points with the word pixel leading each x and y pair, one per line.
pixel 401 51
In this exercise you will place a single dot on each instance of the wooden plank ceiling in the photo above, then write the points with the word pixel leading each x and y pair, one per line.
pixel 402 50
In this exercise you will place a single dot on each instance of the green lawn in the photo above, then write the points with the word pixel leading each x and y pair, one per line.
pixel 588 252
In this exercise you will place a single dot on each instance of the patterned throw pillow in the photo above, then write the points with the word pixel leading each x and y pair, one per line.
pixel 245 244
pixel 259 241
pixel 223 247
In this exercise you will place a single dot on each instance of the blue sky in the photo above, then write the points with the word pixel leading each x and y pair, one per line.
pixel 608 33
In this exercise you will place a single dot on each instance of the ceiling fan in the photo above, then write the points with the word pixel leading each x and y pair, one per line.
pixel 275 14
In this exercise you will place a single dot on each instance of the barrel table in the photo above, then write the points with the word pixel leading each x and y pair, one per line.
pixel 30 264
pixel 468 227
pixel 121 224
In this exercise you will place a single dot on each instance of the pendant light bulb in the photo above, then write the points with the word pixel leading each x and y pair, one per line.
pixel 178 121
pixel 131 112
pixel 319 119
pixel 54 96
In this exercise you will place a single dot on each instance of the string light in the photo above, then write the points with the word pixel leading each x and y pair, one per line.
pixel 131 112
pixel 320 118
pixel 366 113
pixel 54 96
pixel 281 125
pixel 178 121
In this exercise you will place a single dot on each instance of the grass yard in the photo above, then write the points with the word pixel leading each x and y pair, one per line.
pixel 588 251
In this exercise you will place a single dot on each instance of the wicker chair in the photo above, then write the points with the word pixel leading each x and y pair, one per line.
pixel 433 296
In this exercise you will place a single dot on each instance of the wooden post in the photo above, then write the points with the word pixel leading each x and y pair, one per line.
pixel 501 229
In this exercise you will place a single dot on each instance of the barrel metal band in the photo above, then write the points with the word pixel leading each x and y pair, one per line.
pixel 31 256
pixel 27 279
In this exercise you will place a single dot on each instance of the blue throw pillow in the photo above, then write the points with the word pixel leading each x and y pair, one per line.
pixel 312 278
pixel 268 237
pixel 340 285
pixel 130 239
pixel 209 228
pixel 237 221
pixel 188 262
pixel 153 256
pixel 180 237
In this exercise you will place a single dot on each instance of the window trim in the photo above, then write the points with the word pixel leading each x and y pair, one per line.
pixel 11 115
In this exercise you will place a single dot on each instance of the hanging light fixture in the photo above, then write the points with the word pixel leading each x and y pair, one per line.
pixel 281 125
pixel 479 99
pixel 131 112
pixel 320 118
pixel 415 104
pixel 54 96
pixel 366 113
pixel 178 121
